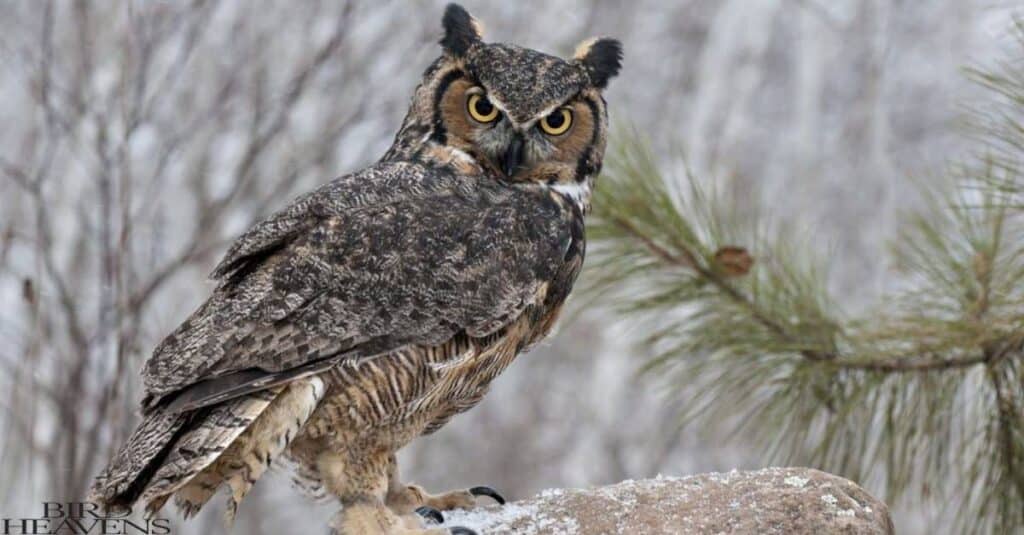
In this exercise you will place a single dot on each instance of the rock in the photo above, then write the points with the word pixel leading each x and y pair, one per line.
pixel 774 500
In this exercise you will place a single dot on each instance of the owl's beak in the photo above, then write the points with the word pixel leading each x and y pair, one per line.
pixel 513 156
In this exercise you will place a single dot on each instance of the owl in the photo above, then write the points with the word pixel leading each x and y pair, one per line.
pixel 373 309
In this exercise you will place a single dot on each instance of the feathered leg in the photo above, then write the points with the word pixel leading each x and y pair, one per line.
pixel 405 498
pixel 369 516
pixel 362 487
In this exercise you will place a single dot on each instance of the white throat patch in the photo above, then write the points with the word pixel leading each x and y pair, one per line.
pixel 578 192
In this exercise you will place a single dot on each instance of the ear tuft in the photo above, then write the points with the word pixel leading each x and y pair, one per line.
pixel 461 30
pixel 602 59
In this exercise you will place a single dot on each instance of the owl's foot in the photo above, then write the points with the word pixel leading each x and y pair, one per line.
pixel 461 499
pixel 410 497
pixel 429 513
pixel 375 519
pixel 483 490
pixel 433 515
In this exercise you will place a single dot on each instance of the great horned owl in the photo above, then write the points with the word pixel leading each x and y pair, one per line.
pixel 373 309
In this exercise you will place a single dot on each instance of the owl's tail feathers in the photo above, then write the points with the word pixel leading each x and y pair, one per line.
pixel 169 448
pixel 252 453
pixel 190 455
pixel 121 483
pixel 203 444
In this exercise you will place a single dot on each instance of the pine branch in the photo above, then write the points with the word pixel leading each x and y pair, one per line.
pixel 688 260
pixel 894 398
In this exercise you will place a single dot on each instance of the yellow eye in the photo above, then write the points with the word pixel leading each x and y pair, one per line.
pixel 481 109
pixel 557 123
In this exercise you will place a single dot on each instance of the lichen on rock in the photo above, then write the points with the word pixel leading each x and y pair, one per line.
pixel 769 501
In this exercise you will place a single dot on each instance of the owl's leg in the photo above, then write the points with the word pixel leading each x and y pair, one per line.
pixel 404 498
pixel 370 516
pixel 362 487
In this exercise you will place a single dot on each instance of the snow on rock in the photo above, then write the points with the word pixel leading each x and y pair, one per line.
pixel 769 501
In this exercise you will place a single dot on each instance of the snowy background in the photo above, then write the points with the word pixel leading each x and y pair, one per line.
pixel 139 137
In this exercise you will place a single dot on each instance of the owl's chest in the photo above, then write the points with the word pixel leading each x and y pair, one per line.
pixel 391 399
pixel 388 401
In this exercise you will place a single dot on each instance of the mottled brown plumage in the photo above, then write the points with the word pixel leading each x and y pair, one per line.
pixel 373 309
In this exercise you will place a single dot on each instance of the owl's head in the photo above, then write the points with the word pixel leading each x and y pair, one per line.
pixel 520 113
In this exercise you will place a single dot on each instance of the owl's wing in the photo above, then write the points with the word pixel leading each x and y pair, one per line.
pixel 414 267
pixel 378 184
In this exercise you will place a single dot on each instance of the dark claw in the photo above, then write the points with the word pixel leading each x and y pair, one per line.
pixel 431 514
pixel 459 530
pixel 488 491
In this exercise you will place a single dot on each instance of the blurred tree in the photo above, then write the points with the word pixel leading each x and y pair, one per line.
pixel 141 137
pixel 148 135
pixel 921 398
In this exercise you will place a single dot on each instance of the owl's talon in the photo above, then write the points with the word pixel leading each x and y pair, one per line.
pixel 430 514
pixel 459 530
pixel 489 492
